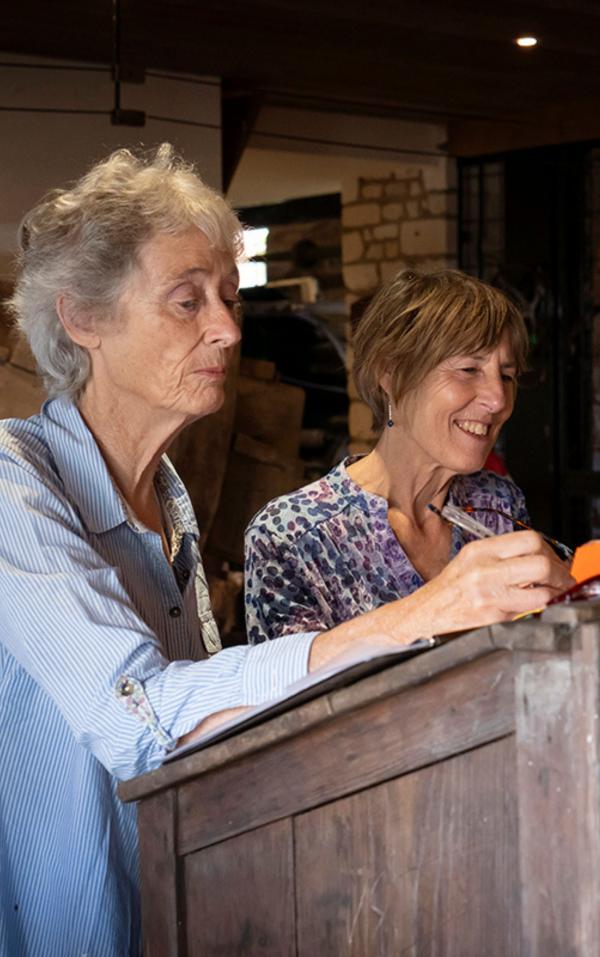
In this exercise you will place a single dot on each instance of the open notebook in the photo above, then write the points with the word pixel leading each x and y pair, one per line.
pixel 324 679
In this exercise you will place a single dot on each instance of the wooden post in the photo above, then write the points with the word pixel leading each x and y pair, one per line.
pixel 559 799
pixel 157 821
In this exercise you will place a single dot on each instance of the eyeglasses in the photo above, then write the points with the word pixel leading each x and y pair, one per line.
pixel 563 551
pixel 461 518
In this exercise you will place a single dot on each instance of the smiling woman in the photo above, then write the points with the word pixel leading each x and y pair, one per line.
pixel 436 357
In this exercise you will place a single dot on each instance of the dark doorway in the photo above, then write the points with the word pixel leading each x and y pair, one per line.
pixel 525 226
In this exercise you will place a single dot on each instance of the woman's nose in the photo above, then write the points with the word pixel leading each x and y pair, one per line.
pixel 493 393
pixel 225 326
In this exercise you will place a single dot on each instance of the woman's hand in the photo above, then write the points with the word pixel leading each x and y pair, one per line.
pixel 493 580
pixel 211 723
pixel 488 581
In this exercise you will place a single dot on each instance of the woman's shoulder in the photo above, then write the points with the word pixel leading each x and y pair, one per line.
pixel 290 516
pixel 22 443
pixel 488 486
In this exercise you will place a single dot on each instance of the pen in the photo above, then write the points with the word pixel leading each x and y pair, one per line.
pixel 456 516
pixel 460 518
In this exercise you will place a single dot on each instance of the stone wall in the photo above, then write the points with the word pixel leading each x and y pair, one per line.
pixel 406 219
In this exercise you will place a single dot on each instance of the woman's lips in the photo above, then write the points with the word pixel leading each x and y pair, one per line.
pixel 217 372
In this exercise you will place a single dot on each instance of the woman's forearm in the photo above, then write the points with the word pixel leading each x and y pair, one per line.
pixel 398 623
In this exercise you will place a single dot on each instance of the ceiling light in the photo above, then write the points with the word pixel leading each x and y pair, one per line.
pixel 526 41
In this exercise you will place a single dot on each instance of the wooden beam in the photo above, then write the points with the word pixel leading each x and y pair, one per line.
pixel 239 110
pixel 578 122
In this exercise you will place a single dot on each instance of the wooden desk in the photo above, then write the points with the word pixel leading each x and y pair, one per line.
pixel 447 806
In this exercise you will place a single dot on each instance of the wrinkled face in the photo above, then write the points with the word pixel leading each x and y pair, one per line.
pixel 174 329
pixel 452 419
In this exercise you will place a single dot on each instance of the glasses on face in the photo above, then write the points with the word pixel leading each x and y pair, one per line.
pixel 563 551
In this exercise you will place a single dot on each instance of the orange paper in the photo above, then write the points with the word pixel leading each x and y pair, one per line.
pixel 586 561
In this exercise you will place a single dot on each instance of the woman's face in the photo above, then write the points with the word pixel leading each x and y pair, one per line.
pixel 176 322
pixel 452 419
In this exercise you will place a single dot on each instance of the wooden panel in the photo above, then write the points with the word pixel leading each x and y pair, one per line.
pixel 423 866
pixel 554 123
pixel 156 827
pixel 558 741
pixel 240 896
pixel 248 485
pixel 271 412
pixel 448 714
pixel 21 393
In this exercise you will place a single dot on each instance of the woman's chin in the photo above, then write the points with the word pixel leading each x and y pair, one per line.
pixel 204 401
pixel 207 405
pixel 466 465
pixel 473 458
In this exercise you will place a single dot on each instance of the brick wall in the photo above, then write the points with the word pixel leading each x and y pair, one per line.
pixel 407 219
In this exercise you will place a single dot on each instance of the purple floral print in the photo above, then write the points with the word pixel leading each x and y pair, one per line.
pixel 326 553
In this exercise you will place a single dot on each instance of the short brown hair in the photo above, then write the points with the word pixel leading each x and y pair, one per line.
pixel 419 319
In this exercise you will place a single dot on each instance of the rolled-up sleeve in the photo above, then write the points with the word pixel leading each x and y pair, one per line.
pixel 69 622
pixel 183 693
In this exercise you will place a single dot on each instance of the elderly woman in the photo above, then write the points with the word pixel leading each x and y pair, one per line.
pixel 128 297
pixel 436 357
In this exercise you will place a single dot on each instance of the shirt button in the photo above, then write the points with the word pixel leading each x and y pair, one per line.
pixel 175 612
pixel 125 687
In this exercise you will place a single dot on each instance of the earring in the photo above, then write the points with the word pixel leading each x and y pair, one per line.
pixel 390 421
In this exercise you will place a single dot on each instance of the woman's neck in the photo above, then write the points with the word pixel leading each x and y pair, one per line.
pixel 405 480
pixel 131 444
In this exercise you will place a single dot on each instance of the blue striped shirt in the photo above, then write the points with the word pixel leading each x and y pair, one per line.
pixel 91 610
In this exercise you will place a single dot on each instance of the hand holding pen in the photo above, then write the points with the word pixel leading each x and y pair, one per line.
pixel 492 579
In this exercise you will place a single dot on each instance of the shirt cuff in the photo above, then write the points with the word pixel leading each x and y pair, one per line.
pixel 273 665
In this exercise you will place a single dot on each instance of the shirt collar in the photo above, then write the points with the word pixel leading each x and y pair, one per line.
pixel 176 500
pixel 344 485
pixel 460 491
pixel 88 482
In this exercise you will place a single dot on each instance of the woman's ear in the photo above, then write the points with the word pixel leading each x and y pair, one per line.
pixel 78 322
pixel 385 381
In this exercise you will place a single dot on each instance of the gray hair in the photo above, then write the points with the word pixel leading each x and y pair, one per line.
pixel 84 242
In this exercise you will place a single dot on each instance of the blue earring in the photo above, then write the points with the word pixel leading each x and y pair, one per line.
pixel 390 421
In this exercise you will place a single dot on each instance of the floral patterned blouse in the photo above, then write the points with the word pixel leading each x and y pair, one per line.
pixel 326 553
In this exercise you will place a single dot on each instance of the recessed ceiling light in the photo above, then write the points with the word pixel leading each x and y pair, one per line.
pixel 526 41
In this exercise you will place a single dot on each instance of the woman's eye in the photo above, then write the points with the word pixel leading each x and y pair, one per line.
pixel 469 369
pixel 188 305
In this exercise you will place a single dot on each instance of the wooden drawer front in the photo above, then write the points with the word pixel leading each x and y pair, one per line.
pixel 240 896
pixel 422 866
